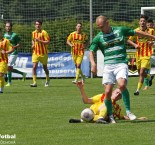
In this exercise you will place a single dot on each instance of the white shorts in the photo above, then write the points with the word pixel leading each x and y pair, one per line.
pixel 12 60
pixel 152 60
pixel 113 72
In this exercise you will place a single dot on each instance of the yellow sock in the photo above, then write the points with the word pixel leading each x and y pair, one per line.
pixel 77 74
pixel 81 73
pixel 148 76
pixel 34 79
pixel 47 78
pixel 139 86
pixel 1 83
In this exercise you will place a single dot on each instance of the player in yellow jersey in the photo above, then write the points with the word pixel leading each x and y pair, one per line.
pixel 40 41
pixel 98 107
pixel 143 53
pixel 78 41
pixel 5 48
pixel 150 24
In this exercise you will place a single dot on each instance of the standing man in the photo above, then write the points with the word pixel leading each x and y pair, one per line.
pixel 150 24
pixel 78 41
pixel 5 48
pixel 15 41
pixel 40 41
pixel 143 53
pixel 110 40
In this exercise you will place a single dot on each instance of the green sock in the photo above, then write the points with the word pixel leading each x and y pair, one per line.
pixel 126 99
pixel 9 76
pixel 108 104
pixel 17 71
pixel 146 82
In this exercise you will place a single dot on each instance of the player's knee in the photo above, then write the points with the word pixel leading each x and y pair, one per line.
pixel 122 87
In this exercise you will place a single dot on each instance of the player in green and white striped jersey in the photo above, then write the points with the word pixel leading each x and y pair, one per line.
pixel 111 41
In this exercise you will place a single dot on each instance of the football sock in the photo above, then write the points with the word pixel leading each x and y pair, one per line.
pixel 126 99
pixel 47 77
pixel 139 86
pixel 108 104
pixel 9 77
pixel 2 81
pixel 148 76
pixel 146 82
pixel 34 79
pixel 77 73
pixel 17 71
pixel 81 73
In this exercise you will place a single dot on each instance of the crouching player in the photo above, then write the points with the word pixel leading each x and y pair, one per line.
pixel 5 48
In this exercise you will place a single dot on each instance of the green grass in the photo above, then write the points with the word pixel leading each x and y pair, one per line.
pixel 39 116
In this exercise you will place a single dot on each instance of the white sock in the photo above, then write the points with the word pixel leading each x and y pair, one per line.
pixel 127 112
pixel 1 89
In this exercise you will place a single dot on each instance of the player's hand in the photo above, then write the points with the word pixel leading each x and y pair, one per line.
pixel 80 84
pixel 72 46
pixel 150 43
pixel 3 51
pixel 82 48
pixel 142 118
pixel 37 40
pixel 94 69
pixel 137 46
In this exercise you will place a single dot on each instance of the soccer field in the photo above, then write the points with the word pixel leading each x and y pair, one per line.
pixel 39 116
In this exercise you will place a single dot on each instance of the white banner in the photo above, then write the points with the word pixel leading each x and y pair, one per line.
pixel 131 63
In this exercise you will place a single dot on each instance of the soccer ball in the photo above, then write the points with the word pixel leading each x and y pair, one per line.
pixel 87 115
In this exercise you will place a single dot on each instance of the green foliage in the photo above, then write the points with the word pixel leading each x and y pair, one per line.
pixel 58 30
pixel 60 17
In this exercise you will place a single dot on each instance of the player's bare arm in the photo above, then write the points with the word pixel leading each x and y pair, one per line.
pixel 16 46
pixel 7 52
pixel 92 61
pixel 41 41
pixel 85 98
pixel 133 44
pixel 32 44
pixel 69 43
pixel 144 34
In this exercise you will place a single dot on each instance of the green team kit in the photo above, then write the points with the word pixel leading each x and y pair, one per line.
pixel 112 45
pixel 14 40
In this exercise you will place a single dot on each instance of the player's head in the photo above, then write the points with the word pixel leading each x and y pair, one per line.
pixel 102 23
pixel 38 24
pixel 79 26
pixel 8 26
pixel 150 23
pixel 116 95
pixel 143 21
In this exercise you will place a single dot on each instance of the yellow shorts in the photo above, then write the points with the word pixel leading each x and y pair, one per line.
pixel 40 58
pixel 77 59
pixel 3 67
pixel 143 63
